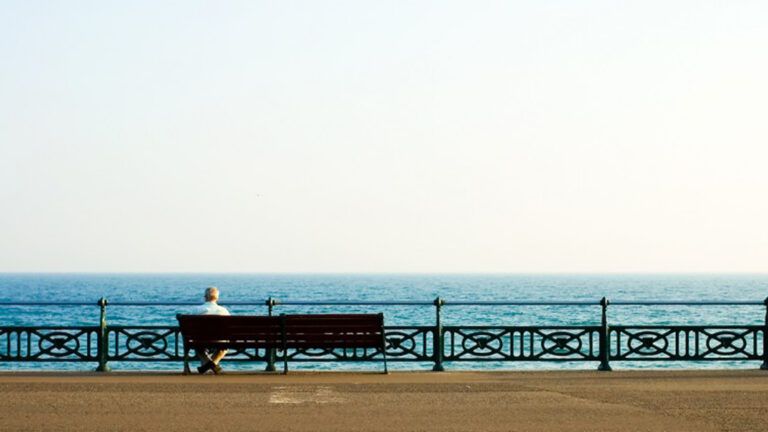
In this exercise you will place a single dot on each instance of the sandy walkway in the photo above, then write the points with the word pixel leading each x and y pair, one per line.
pixel 452 401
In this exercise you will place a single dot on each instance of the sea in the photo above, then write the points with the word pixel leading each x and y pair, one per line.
pixel 188 288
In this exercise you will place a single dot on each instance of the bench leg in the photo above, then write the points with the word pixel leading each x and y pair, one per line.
pixel 186 362
pixel 386 371
pixel 270 360
pixel 285 361
pixel 383 342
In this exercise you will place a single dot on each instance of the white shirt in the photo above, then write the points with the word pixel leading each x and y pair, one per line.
pixel 210 308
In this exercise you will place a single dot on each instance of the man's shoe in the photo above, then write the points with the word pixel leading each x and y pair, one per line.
pixel 204 368
pixel 217 369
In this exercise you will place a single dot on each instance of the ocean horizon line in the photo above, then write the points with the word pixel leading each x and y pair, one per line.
pixel 398 273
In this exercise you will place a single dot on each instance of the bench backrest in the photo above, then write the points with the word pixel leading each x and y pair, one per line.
pixel 290 331
pixel 209 330
pixel 334 331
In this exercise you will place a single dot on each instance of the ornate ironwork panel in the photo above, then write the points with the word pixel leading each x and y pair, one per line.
pixel 479 343
pixel 48 343
pixel 410 343
pixel 403 344
pixel 687 342
pixel 148 343
pixel 158 343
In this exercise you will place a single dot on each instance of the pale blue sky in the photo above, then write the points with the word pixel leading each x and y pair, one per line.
pixel 537 136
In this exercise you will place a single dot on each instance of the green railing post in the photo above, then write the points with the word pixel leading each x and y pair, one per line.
pixel 605 338
pixel 764 366
pixel 270 351
pixel 439 341
pixel 103 342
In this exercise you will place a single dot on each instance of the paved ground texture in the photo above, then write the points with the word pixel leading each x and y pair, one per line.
pixel 407 401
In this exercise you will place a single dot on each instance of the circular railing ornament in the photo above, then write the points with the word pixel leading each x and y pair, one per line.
pixel 58 344
pixel 561 344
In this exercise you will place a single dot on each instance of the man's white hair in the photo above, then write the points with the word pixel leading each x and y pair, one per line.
pixel 211 293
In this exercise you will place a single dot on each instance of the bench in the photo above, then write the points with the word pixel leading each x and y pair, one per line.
pixel 284 332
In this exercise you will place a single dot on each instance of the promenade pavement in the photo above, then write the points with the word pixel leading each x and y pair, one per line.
pixel 645 401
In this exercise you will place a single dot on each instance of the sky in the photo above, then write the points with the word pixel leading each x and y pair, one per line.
pixel 362 136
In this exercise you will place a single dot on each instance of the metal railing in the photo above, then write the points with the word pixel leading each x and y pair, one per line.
pixel 435 344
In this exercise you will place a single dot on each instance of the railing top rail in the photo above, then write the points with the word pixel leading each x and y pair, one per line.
pixel 443 302
pixel 612 302
pixel 354 303
pixel 687 303
pixel 523 303
pixel 51 303
pixel 134 303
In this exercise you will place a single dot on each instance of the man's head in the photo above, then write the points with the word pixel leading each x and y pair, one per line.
pixel 211 294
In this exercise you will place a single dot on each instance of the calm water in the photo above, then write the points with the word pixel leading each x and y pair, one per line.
pixel 258 287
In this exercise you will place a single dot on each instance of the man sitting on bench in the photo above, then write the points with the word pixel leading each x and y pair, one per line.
pixel 211 307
